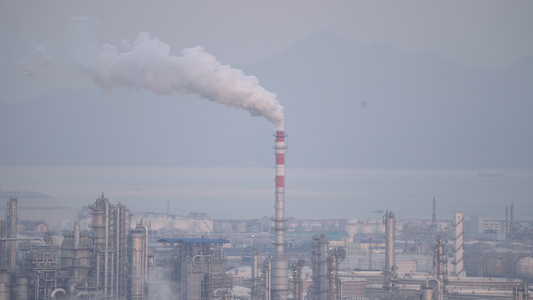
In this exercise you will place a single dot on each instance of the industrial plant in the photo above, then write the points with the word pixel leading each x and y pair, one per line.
pixel 112 253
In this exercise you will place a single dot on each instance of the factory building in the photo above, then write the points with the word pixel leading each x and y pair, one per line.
pixel 108 262
pixel 195 268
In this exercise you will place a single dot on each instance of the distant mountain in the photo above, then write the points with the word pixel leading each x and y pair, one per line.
pixel 347 104
pixel 370 105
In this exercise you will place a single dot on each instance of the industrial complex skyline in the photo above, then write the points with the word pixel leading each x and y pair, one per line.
pixel 386 108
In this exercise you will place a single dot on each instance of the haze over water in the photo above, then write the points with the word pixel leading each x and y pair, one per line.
pixel 247 193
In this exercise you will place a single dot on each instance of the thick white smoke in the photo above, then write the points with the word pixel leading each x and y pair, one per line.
pixel 147 63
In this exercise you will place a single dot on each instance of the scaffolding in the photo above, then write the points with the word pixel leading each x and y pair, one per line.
pixel 42 263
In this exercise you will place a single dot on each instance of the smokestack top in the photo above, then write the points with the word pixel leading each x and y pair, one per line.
pixel 280 136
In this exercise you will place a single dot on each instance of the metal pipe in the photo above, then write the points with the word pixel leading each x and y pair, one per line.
pixel 106 247
pixel 23 239
pixel 506 221
pixel 322 267
pixel 117 248
pixel 112 275
pixel 255 255
pixel 76 234
pixel 58 290
pixel 434 217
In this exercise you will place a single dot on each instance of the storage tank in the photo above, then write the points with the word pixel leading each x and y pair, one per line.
pixel 365 229
pixel 67 253
pixel 351 227
pixel 426 293
pixel 82 258
pixel 136 259
pixel 5 285
pixel 23 288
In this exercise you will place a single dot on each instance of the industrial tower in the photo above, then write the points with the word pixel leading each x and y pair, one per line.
pixel 110 225
pixel 389 270
pixel 458 250
pixel 440 268
pixel 279 264
pixel 8 244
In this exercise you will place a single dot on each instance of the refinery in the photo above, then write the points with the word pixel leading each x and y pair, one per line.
pixel 112 253
pixel 394 108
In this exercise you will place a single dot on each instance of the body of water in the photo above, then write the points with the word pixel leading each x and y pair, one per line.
pixel 247 193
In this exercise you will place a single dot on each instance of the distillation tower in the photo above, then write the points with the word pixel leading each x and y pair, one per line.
pixel 458 250
pixel 319 286
pixel 297 290
pixel 389 270
pixel 440 268
pixel 138 263
pixel 254 274
pixel 8 243
pixel 110 226
pixel 279 264
pixel 326 284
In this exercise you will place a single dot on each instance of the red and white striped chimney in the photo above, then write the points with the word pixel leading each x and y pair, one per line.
pixel 280 265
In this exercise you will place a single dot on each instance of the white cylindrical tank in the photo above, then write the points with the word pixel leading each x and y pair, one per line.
pixel 23 288
pixel 365 229
pixel 136 254
pixel 351 227
pixel 67 253
pixel 5 285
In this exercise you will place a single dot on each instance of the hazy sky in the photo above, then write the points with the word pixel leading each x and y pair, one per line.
pixel 42 41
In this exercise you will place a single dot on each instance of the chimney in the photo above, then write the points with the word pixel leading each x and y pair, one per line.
pixel 280 265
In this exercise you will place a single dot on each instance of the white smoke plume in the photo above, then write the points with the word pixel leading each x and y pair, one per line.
pixel 147 64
